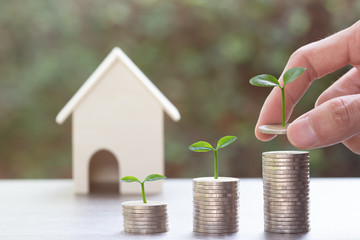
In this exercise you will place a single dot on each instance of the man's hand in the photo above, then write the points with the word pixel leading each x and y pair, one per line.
pixel 336 116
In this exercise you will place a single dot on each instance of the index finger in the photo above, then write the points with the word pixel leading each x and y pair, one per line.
pixel 319 58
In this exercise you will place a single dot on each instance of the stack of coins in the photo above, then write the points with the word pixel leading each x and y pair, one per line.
pixel 145 218
pixel 286 191
pixel 215 205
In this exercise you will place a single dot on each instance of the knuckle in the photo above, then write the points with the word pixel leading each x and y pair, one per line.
pixel 341 113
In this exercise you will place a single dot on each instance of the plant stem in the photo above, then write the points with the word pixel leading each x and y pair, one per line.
pixel 143 191
pixel 283 105
pixel 216 164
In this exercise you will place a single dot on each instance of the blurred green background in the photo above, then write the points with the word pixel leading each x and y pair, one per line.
pixel 201 55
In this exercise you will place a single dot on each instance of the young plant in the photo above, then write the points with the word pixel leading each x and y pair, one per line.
pixel 265 80
pixel 203 146
pixel 150 178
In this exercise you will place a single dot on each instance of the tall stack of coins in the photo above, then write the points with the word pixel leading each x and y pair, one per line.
pixel 286 191
pixel 145 218
pixel 215 205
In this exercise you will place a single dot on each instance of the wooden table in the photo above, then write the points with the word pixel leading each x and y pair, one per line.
pixel 48 209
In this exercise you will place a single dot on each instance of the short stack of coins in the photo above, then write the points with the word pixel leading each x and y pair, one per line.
pixel 145 218
pixel 286 191
pixel 215 205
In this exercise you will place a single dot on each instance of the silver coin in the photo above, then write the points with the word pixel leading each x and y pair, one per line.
pixel 215 207
pixel 285 187
pixel 287 191
pixel 209 203
pixel 216 215
pixel 277 206
pixel 279 184
pixel 217 219
pixel 130 225
pixel 285 177
pixel 283 163
pixel 290 200
pixel 215 191
pixel 145 231
pixel 146 215
pixel 280 174
pixel 214 211
pixel 216 232
pixel 283 219
pixel 283 180
pixel 145 221
pixel 135 211
pixel 282 168
pixel 287 215
pixel 208 199
pixel 285 211
pixel 213 181
pixel 141 205
pixel 286 231
pixel 285 154
pixel 273 129
pixel 287 225
pixel 290 204
pixel 146 226
pixel 214 226
pixel 294 160
pixel 216 195
pixel 286 199
pixel 209 187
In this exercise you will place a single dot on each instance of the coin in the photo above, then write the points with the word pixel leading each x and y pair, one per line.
pixel 139 219
pixel 280 203
pixel 214 199
pixel 285 154
pixel 286 231
pixel 215 225
pixel 285 180
pixel 143 206
pixel 208 203
pixel 273 129
pixel 214 231
pixel 294 160
pixel 215 207
pixel 285 177
pixel 285 199
pixel 285 187
pixel 146 215
pixel 216 215
pixel 216 195
pixel 284 219
pixel 215 191
pixel 285 184
pixel 212 181
pixel 145 231
pixel 135 226
pixel 215 211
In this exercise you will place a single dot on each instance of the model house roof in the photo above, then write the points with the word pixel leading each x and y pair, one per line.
pixel 116 55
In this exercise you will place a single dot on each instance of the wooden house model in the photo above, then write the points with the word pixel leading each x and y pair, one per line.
pixel 117 126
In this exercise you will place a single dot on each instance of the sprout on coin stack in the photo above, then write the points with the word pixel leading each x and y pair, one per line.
pixel 144 217
pixel 215 198
pixel 265 80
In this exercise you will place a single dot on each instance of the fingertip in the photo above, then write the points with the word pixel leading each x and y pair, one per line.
pixel 263 137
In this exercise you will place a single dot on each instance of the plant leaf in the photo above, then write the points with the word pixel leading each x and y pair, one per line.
pixel 292 74
pixel 154 177
pixel 201 146
pixel 129 179
pixel 224 141
pixel 264 80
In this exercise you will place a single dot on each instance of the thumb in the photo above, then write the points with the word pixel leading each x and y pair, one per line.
pixel 332 122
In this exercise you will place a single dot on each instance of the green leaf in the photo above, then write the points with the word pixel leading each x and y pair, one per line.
pixel 154 177
pixel 264 80
pixel 224 141
pixel 130 179
pixel 201 146
pixel 292 74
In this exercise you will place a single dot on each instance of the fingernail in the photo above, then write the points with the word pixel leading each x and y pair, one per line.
pixel 301 134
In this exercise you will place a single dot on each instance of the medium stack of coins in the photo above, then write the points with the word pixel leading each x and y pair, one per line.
pixel 215 205
pixel 286 191
pixel 145 218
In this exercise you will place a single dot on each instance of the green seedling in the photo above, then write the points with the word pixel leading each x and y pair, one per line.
pixel 150 178
pixel 265 80
pixel 203 146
